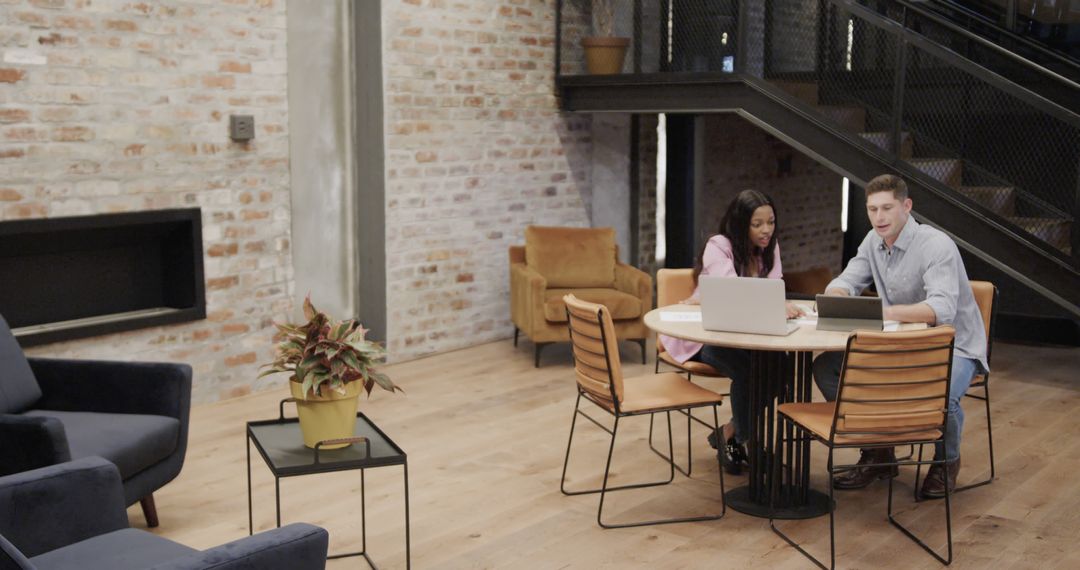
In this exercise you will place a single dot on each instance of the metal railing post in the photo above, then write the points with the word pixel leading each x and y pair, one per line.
pixel 637 36
pixel 899 80
pixel 558 39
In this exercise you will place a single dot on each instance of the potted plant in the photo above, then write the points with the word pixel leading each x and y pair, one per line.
pixel 604 52
pixel 330 362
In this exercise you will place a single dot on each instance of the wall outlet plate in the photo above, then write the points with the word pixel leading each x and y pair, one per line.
pixel 241 127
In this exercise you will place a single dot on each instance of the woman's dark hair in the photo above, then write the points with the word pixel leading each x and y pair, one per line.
pixel 735 225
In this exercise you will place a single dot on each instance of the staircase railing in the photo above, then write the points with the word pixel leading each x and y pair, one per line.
pixel 1011 152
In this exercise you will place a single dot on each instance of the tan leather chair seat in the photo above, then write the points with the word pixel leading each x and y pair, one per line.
pixel 621 305
pixel 661 392
pixel 818 418
pixel 691 366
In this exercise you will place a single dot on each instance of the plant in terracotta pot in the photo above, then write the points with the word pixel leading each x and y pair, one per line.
pixel 330 362
pixel 604 52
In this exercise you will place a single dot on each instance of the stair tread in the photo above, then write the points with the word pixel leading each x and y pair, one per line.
pixel 1037 221
pixel 933 160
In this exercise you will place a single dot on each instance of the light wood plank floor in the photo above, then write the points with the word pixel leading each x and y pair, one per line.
pixel 486 434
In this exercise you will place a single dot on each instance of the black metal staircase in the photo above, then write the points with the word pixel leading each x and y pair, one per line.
pixel 861 89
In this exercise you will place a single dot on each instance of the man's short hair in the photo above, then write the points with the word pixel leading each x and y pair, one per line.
pixel 888 183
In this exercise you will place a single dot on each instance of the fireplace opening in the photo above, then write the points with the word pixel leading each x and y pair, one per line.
pixel 76 277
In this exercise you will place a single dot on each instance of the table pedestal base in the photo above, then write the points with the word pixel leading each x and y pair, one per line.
pixel 817 504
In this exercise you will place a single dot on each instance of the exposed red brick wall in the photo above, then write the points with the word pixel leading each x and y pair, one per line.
pixel 739 155
pixel 124 106
pixel 476 150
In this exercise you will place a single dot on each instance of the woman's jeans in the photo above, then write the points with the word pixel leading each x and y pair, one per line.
pixel 827 376
pixel 735 364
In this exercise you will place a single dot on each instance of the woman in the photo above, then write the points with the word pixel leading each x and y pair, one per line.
pixel 744 247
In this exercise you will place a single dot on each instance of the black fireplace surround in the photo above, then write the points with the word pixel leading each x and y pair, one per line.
pixel 76 277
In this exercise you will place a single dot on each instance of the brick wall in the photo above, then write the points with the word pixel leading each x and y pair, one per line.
pixel 739 155
pixel 109 106
pixel 647 147
pixel 476 150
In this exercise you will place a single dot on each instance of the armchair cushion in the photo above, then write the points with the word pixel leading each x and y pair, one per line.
pixel 126 548
pixel 621 305
pixel 18 387
pixel 132 442
pixel 572 257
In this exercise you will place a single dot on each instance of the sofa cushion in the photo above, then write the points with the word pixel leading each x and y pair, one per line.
pixel 126 548
pixel 18 387
pixel 132 442
pixel 621 305
pixel 572 257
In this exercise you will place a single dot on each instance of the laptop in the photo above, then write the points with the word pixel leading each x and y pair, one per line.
pixel 845 314
pixel 745 305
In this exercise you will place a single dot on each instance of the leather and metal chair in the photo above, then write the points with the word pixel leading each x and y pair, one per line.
pixel 600 381
pixel 894 390
pixel 672 286
pixel 73 516
pixel 986 297
pixel 134 414
pixel 583 261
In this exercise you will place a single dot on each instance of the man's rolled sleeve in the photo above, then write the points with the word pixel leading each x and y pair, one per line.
pixel 857 276
pixel 941 280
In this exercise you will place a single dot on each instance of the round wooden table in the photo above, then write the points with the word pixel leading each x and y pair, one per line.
pixel 780 372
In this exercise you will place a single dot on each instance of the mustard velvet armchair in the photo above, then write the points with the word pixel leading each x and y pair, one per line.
pixel 555 262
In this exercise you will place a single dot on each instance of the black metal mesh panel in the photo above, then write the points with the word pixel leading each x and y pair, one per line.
pixel 648 35
pixel 900 80
pixel 1001 140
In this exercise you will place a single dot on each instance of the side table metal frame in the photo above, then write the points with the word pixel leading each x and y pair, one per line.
pixel 250 438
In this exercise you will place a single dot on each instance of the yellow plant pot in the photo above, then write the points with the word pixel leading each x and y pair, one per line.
pixel 327 417
pixel 604 56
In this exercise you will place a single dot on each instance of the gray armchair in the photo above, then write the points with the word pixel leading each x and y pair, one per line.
pixel 72 516
pixel 135 414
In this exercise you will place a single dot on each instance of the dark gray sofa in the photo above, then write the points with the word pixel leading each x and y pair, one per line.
pixel 73 516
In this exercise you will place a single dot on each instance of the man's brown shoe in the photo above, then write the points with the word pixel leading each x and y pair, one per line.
pixel 867 471
pixel 934 485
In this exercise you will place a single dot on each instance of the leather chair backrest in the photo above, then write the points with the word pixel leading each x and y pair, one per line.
pixel 672 286
pixel 596 350
pixel 18 387
pixel 894 382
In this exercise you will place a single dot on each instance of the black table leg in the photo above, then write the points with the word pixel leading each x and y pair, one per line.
pixel 775 378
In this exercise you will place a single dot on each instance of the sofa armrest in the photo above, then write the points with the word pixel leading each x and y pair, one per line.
pixel 527 288
pixel 30 442
pixel 297 546
pixel 156 388
pixel 44 509
pixel 636 282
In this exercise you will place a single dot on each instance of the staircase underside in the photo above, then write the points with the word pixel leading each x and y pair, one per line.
pixel 1035 265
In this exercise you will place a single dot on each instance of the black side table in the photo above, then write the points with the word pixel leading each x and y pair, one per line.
pixel 282 448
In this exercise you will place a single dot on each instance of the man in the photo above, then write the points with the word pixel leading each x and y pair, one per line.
pixel 920 277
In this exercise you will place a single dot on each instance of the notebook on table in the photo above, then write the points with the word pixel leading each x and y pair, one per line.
pixel 745 305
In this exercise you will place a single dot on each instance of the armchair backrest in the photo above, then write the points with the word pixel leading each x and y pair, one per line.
pixel 572 257
pixel 596 351
pixel 895 385
pixel 18 387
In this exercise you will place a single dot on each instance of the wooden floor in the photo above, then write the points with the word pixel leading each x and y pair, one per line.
pixel 486 433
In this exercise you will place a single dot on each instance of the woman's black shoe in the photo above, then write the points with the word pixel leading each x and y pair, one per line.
pixel 732 456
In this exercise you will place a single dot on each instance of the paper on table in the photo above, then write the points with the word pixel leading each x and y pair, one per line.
pixel 680 316
pixel 891 326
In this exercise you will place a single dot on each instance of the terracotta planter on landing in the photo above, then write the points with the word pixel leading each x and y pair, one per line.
pixel 327 417
pixel 604 55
